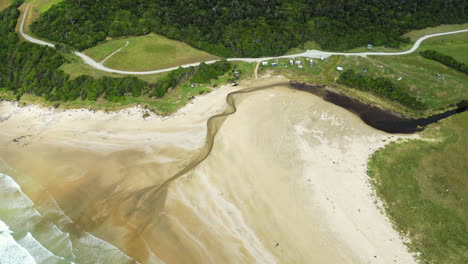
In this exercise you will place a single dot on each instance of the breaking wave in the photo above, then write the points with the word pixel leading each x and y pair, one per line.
pixel 28 234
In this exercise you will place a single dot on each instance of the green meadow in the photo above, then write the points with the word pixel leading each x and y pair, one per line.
pixel 423 186
pixel 145 53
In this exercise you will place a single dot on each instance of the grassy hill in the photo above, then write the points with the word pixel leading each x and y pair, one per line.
pixel 144 53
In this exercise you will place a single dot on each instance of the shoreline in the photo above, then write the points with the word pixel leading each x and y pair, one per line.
pixel 72 141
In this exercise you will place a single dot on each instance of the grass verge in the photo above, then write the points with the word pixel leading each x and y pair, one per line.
pixel 75 67
pixel 423 186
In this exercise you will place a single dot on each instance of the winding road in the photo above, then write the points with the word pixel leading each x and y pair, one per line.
pixel 309 53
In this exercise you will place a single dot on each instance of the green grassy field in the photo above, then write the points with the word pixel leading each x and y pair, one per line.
pixel 423 186
pixel 452 45
pixel 42 5
pixel 145 53
pixel 76 67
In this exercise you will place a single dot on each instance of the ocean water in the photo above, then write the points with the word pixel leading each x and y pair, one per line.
pixel 10 250
pixel 29 233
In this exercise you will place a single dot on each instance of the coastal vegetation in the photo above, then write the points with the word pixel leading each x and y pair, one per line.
pixel 436 86
pixel 380 86
pixel 246 28
pixel 35 70
pixel 423 186
pixel 412 74
pixel 446 60
pixel 150 52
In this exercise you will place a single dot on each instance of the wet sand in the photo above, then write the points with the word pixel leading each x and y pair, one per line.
pixel 284 182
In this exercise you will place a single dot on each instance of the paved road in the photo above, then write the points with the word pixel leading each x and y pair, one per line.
pixel 309 53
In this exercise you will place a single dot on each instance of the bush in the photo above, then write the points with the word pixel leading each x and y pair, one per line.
pixel 380 86
pixel 446 60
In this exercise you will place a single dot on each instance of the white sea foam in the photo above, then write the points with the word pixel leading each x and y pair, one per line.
pixel 40 254
pixel 46 242
pixel 11 194
pixel 10 251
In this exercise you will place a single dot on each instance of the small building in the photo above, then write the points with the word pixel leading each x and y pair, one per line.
pixel 274 64
pixel 265 63
pixel 339 68
pixel 370 46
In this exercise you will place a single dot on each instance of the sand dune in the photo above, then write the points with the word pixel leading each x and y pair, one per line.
pixel 285 181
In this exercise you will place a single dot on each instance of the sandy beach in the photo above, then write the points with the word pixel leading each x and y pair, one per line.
pixel 285 181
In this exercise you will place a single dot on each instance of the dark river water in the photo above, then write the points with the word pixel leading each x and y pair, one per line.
pixel 373 116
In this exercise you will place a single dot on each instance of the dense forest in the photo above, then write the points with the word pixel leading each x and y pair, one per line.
pixel 446 60
pixel 382 87
pixel 34 69
pixel 233 28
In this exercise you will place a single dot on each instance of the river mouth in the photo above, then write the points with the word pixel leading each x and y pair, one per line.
pixel 373 116
pixel 220 202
